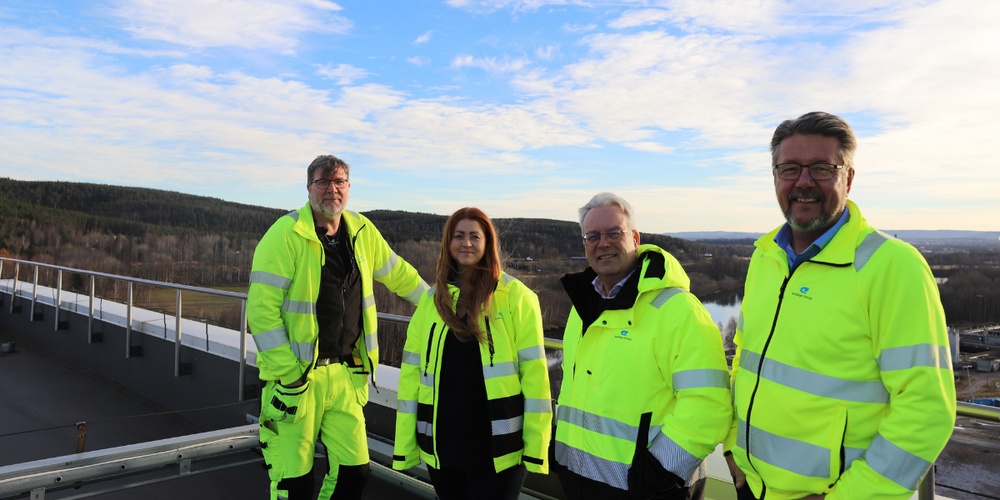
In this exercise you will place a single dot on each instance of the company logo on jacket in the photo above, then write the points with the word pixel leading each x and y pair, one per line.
pixel 802 293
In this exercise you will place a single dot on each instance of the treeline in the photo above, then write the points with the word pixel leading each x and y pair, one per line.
pixel 970 292
pixel 201 241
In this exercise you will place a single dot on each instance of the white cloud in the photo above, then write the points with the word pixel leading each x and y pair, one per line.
pixel 343 74
pixel 419 61
pixel 492 65
pixel 642 17
pixel 579 28
pixel 249 24
pixel 426 37
pixel 547 53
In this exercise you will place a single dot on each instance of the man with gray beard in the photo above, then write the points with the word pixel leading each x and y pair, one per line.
pixel 311 311
pixel 842 380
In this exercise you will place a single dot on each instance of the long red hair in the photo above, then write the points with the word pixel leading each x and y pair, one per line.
pixel 484 277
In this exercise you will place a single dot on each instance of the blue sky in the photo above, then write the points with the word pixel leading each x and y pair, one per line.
pixel 522 108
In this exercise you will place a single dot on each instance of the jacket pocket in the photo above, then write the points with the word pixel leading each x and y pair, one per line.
pixel 646 476
pixel 285 404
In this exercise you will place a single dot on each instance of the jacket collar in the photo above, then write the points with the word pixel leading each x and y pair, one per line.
pixel 841 248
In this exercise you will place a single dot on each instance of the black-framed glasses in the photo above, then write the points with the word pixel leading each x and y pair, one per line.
pixel 613 236
pixel 818 171
pixel 324 184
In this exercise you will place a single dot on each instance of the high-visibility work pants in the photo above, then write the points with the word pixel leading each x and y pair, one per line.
pixel 328 406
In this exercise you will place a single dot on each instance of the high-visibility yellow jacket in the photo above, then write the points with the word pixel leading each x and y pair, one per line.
pixel 661 357
pixel 514 368
pixel 842 380
pixel 284 286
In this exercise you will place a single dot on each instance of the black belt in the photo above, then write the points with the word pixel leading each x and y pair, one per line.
pixel 347 359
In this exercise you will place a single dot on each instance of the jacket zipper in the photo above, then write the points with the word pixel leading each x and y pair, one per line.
pixel 760 367
pixel 430 342
pixel 489 340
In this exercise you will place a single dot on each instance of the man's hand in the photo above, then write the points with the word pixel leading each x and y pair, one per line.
pixel 739 478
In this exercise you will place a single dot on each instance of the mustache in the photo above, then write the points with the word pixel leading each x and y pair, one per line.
pixel 806 193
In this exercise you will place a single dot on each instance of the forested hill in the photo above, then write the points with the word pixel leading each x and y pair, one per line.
pixel 33 207
pixel 129 211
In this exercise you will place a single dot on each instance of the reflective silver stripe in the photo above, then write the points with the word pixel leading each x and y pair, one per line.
pixel 411 358
pixel 386 268
pixel 901 358
pixel 408 406
pixel 507 425
pixel 739 322
pixel 271 279
pixel 596 423
pixel 531 353
pixel 371 341
pixel 535 405
pixel 367 302
pixel 499 370
pixel 427 380
pixel 852 454
pixel 862 391
pixel 294 214
pixel 295 306
pixel 674 458
pixel 868 247
pixel 303 350
pixel 695 379
pixel 611 473
pixel 270 339
pixel 414 296
pixel 895 463
pixel 425 428
pixel 665 295
pixel 804 459
pixel 506 278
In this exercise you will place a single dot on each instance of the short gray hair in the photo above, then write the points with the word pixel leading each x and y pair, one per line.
pixel 818 123
pixel 327 165
pixel 607 199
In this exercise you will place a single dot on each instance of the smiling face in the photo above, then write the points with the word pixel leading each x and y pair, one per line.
pixel 810 206
pixel 329 203
pixel 611 261
pixel 468 244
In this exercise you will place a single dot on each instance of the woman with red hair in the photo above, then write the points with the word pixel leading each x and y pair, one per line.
pixel 474 401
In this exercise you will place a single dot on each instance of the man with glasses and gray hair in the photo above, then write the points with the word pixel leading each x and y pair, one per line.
pixel 645 391
pixel 842 380
pixel 311 310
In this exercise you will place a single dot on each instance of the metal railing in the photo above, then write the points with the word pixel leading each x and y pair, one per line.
pixel 129 306
pixel 925 490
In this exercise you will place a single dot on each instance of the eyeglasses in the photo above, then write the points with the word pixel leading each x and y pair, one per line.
pixel 324 184
pixel 613 236
pixel 818 171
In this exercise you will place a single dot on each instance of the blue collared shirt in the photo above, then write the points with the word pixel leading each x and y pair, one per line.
pixel 784 240
pixel 614 290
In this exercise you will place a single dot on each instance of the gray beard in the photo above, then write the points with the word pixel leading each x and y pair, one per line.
pixel 326 212
pixel 822 221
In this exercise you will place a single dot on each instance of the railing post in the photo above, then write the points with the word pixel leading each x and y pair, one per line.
pixel 13 290
pixel 34 292
pixel 243 345
pixel 58 298
pixel 177 331
pixel 128 322
pixel 90 314
pixel 926 489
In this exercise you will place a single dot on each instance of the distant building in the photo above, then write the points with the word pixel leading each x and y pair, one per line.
pixel 987 365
